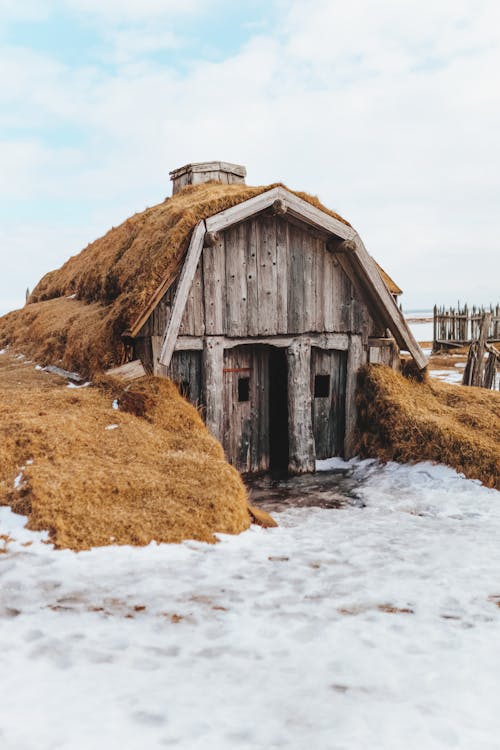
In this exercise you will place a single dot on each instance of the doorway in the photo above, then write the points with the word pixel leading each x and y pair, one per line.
pixel 278 410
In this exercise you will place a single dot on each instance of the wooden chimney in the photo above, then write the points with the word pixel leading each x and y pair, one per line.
pixel 194 174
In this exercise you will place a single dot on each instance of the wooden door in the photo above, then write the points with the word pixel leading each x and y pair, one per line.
pixel 246 407
pixel 328 386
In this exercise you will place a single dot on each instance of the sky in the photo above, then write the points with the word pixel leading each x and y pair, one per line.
pixel 388 111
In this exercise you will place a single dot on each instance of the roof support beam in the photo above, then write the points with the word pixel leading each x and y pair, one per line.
pixel 384 301
pixel 181 294
pixel 352 255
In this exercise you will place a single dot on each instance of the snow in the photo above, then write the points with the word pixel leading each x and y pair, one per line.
pixel 111 427
pixel 447 376
pixel 3 351
pixel 18 480
pixel 422 331
pixel 371 626
pixel 81 385
pixel 115 405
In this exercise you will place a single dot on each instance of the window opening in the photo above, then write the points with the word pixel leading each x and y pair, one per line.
pixel 243 389
pixel 321 386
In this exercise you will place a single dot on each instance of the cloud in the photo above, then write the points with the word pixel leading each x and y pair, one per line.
pixel 390 113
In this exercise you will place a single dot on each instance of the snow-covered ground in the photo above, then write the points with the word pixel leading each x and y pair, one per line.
pixel 375 625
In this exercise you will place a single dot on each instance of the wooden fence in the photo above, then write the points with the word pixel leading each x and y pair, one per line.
pixel 461 326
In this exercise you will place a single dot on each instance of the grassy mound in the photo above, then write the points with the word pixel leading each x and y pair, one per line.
pixel 404 420
pixel 77 314
pixel 158 475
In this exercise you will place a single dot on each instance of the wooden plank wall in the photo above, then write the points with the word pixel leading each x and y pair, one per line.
pixel 268 276
pixel 328 412
pixel 185 372
pixel 246 423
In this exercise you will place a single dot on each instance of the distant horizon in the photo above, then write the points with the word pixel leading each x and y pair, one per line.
pixel 394 126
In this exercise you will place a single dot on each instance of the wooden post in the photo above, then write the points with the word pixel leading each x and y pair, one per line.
pixel 477 376
pixel 213 384
pixel 301 439
pixel 356 357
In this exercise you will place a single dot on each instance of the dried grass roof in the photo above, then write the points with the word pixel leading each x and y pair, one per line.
pixel 158 476
pixel 404 420
pixel 77 314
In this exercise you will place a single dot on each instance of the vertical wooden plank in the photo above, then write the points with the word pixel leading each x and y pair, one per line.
pixel 192 323
pixel 308 249
pixel 301 440
pixel 253 315
pixel 185 280
pixel 295 281
pixel 331 292
pixel 214 285
pixel 262 418
pixel 236 281
pixel 282 275
pixel 318 287
pixel 213 385
pixel 356 357
pixel 198 304
pixel 267 274
pixel 329 410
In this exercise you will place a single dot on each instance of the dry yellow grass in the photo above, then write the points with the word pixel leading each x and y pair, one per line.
pixel 113 279
pixel 158 476
pixel 404 420
pixel 77 314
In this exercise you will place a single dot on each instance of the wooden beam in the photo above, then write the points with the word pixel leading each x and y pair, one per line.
pixel 355 358
pixel 128 371
pixel 300 432
pixel 353 251
pixel 279 207
pixel 345 246
pixel 339 341
pixel 211 239
pixel 383 299
pixel 182 292
pixel 314 216
pixel 241 211
pixel 213 385
pixel 379 341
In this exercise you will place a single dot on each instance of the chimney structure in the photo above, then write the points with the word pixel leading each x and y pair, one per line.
pixel 194 174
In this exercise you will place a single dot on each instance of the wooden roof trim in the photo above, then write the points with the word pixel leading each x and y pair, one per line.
pixel 390 311
pixel 358 255
pixel 153 302
pixel 181 293
pixel 295 205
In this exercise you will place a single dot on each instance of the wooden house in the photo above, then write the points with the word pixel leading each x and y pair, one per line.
pixel 275 307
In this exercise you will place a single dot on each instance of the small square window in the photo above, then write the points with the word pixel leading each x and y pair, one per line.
pixel 321 386
pixel 243 389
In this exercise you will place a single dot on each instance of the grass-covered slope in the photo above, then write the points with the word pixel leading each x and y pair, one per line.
pixel 158 475
pixel 76 314
pixel 404 420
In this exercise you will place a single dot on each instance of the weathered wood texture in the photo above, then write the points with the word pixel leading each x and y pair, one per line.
pixel 301 439
pixel 194 174
pixel 185 371
pixel 268 276
pixel 356 357
pixel 462 325
pixel 184 288
pixel 213 384
pixel 129 371
pixel 157 322
pixel 246 422
pixel 328 401
pixel 384 352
